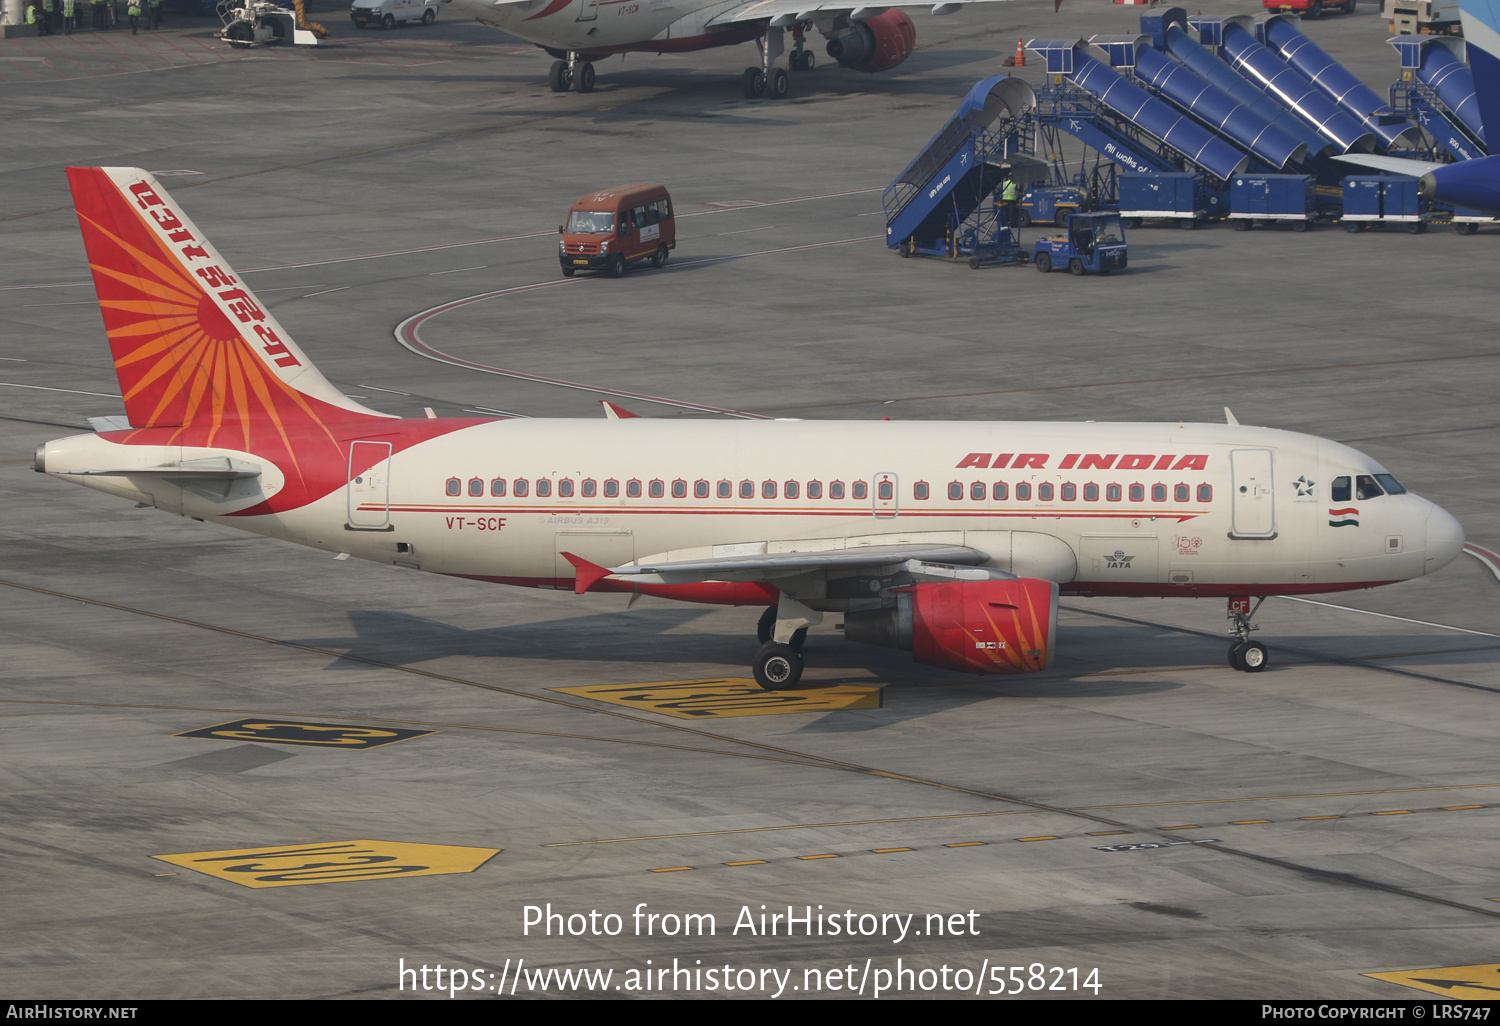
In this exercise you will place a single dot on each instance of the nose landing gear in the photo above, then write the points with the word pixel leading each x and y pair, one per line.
pixel 1244 654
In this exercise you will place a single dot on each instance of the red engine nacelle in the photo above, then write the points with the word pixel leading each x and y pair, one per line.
pixel 875 44
pixel 973 626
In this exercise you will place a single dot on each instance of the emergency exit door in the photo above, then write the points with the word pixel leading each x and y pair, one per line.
pixel 885 500
pixel 1253 496
pixel 369 489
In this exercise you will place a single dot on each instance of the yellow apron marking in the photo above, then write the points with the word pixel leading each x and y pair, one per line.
pixel 1043 837
pixel 288 865
pixel 747 862
pixel 883 851
pixel 269 730
pixel 672 869
pixel 726 696
pixel 965 844
pixel 1473 982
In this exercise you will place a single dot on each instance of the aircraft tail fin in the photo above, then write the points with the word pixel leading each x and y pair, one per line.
pixel 1481 22
pixel 192 345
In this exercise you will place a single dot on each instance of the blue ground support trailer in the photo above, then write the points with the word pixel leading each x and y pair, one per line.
pixel 1051 204
pixel 1271 199
pixel 1381 199
pixel 1178 197
pixel 943 203
pixel 1092 243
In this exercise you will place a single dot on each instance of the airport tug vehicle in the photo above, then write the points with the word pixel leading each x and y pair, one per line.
pixel 1093 244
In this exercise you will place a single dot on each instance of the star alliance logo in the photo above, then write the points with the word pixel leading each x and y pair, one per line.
pixel 1119 561
pixel 1304 487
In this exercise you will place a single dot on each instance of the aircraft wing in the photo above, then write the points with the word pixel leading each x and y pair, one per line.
pixel 924 560
pixel 799 10
pixel 1395 165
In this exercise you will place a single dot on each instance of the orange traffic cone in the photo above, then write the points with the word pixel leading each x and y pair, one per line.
pixel 1020 55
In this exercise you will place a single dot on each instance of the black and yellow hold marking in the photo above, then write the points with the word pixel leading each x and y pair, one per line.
pixel 718 697
pixel 294 732
pixel 331 862
pixel 1473 982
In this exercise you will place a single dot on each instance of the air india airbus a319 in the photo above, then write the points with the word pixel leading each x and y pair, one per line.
pixel 949 540
pixel 579 32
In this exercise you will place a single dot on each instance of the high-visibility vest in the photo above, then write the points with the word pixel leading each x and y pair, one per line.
pixel 1011 192
pixel 67 8
pixel 31 15
pixel 134 10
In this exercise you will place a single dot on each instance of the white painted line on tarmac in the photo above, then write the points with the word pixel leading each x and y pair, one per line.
pixel 476 267
pixel 75 391
pixel 1388 616
pixel 1489 560
pixel 377 388
pixel 325 292
pixel 742 231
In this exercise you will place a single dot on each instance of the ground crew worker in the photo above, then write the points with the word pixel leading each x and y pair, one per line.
pixel 49 15
pixel 68 10
pixel 133 12
pixel 1010 195
pixel 154 9
pixel 31 14
pixel 98 6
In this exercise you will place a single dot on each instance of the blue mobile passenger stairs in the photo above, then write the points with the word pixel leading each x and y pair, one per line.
pixel 944 204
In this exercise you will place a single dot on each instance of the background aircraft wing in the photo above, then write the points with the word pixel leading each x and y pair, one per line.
pixel 770 10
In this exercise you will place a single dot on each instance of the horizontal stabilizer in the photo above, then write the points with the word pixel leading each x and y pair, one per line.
pixel 222 468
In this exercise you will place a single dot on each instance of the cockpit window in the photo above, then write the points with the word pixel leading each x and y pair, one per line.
pixel 1392 486
pixel 1366 488
pixel 1341 489
pixel 591 222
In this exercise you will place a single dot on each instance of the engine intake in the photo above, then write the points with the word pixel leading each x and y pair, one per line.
pixel 875 44
pixel 972 626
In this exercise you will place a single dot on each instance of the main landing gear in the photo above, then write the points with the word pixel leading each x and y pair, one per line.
pixel 571 74
pixel 772 82
pixel 782 630
pixel 1244 654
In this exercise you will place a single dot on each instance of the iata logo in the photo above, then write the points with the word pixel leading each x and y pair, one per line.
pixel 1344 516
pixel 1119 561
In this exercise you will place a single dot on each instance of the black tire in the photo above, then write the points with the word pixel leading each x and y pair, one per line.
pixel 429 16
pixel 568 270
pixel 1254 657
pixel 1467 229
pixel 584 81
pixel 1299 226
pixel 777 667
pixel 766 625
pixel 975 263
pixel 1354 228
pixel 1132 222
pixel 1060 216
pixel 558 77
pixel 1349 7
pixel 778 84
pixel 1235 662
pixel 1043 262
pixel 1315 11
pixel 1023 219
pixel 1075 267
pixel 753 83
pixel 388 23
pixel 1189 223
pixel 904 249
pixel 1239 224
pixel 659 258
pixel 616 266
pixel 810 60
pixel 1417 227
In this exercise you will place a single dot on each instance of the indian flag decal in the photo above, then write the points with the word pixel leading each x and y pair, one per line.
pixel 1345 516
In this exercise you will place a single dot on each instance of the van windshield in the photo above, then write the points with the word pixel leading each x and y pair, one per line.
pixel 591 222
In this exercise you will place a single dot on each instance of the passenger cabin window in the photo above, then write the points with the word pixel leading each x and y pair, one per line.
pixel 791 490
pixel 1069 492
pixel 1205 493
pixel 887 491
pixel 611 489
pixel 977 491
pixel 1340 490
pixel 726 489
pixel 768 489
pixel 497 487
pixel 521 488
pixel 1090 492
pixel 1023 491
pixel 543 487
pixel 955 490
pixel 590 488
pixel 815 489
pixel 658 210
pixel 658 488
pixel 1158 493
pixel 861 490
pixel 565 488
pixel 919 490
pixel 700 489
pixel 476 486
pixel 836 490
pixel 1000 492
pixel 679 489
pixel 638 216
pixel 1182 493
pixel 1044 493
pixel 747 489
pixel 1366 488
pixel 633 488
pixel 1137 493
pixel 455 486
pixel 1113 493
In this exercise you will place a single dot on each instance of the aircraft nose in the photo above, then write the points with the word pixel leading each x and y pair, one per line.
pixel 1445 539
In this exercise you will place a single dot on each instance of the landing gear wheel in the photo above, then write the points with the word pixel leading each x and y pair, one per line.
pixel 430 16
pixel 753 82
pixel 659 257
pixel 1023 219
pixel 766 625
pixel 616 266
pixel 1254 657
pixel 1043 262
pixel 568 270
pixel 778 84
pixel 557 77
pixel 584 83
pixel 1236 656
pixel 1075 267
pixel 388 23
pixel 777 666
pixel 806 62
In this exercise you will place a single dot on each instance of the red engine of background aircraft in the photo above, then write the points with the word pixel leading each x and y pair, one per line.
pixel 973 626
pixel 875 44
